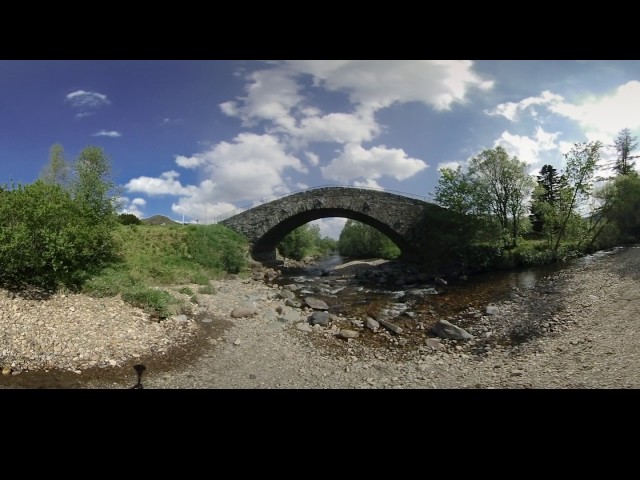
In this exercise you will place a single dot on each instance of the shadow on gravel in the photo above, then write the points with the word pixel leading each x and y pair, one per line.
pixel 629 264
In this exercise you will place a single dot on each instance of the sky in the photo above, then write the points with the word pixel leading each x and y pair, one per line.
pixel 197 139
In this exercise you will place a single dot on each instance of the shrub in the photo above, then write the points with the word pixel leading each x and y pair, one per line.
pixel 48 239
pixel 128 219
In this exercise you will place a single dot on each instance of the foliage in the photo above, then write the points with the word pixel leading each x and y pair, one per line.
pixel 620 207
pixel 546 195
pixel 128 219
pixel 500 187
pixel 300 242
pixel 363 241
pixel 150 256
pixel 217 247
pixel 58 170
pixel 305 241
pixel 47 238
pixel 581 162
pixel 624 145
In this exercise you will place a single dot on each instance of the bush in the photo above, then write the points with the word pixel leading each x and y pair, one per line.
pixel 47 239
pixel 128 219
pixel 216 246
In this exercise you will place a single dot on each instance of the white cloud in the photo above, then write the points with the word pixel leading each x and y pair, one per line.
pixel 529 149
pixel 512 110
pixel 452 165
pixel 368 183
pixel 355 162
pixel 165 185
pixel 606 114
pixel 381 83
pixel 337 127
pixel 194 161
pixel 107 133
pixel 133 207
pixel 86 102
pixel 271 94
pixel 249 168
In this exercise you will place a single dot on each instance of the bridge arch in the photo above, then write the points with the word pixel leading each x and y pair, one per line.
pixel 396 216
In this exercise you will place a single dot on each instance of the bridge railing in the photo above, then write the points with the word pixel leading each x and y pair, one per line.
pixel 256 203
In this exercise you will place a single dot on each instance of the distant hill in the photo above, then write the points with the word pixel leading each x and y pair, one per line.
pixel 158 220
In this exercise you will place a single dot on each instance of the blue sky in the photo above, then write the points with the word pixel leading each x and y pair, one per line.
pixel 201 138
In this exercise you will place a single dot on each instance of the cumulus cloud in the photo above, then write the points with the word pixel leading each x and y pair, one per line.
pixel 356 162
pixel 107 133
pixel 606 114
pixel 134 207
pixel 512 110
pixel 529 149
pixel 368 183
pixel 381 83
pixel 86 102
pixel 452 165
pixel 166 184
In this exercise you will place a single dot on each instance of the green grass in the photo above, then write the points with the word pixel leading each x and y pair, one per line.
pixel 151 257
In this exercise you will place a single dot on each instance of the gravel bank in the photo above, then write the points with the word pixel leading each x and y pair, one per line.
pixel 576 329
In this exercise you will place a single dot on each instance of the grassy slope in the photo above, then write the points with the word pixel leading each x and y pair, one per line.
pixel 152 258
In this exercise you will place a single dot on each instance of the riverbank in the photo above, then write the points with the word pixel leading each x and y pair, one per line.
pixel 575 329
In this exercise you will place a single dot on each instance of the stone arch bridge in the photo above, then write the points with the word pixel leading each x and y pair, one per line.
pixel 403 219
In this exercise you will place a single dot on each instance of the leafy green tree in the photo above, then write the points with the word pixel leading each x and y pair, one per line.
pixel 624 144
pixel 619 207
pixel 93 186
pixel 58 230
pixel 300 242
pixel 58 170
pixel 546 194
pixel 581 162
pixel 500 187
pixel 359 240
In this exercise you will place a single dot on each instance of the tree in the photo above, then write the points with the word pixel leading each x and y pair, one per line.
pixel 581 163
pixel 620 206
pixel 92 185
pixel 624 145
pixel 360 240
pixel 455 191
pixel 546 197
pixel 57 171
pixel 500 186
pixel 300 242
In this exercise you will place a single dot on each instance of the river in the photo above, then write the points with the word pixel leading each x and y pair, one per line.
pixel 359 295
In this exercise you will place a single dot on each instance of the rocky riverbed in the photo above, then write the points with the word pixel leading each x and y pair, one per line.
pixel 574 329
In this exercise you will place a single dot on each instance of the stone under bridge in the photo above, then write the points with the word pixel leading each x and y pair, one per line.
pixel 404 220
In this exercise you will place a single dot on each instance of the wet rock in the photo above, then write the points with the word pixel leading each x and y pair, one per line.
pixel 287 295
pixel 371 323
pixel 319 318
pixel 445 329
pixel 492 310
pixel 390 326
pixel 291 287
pixel 316 303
